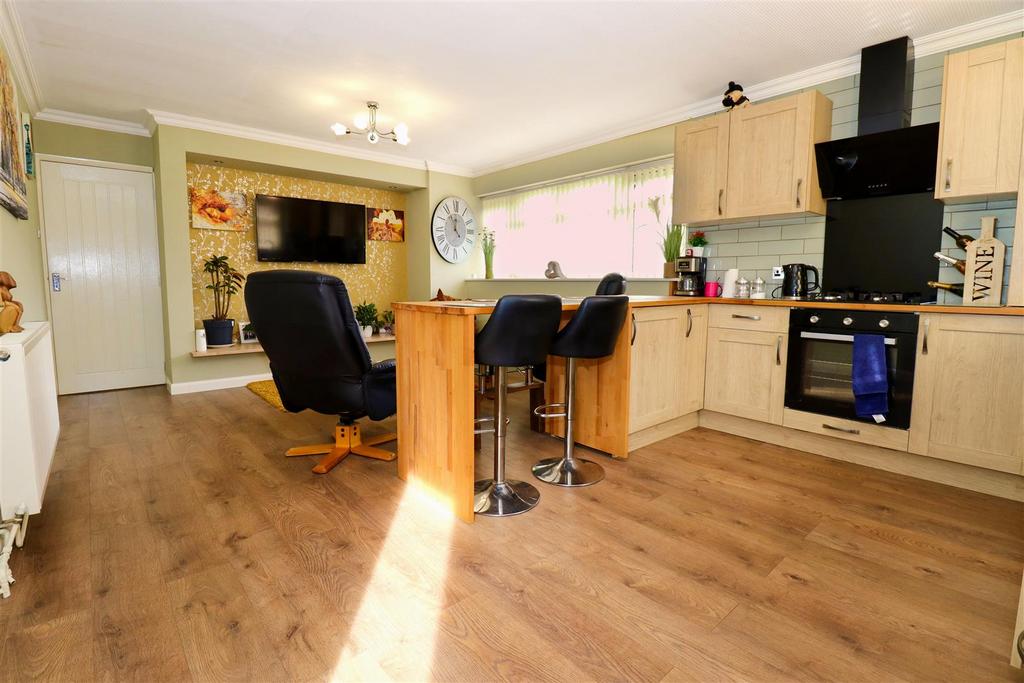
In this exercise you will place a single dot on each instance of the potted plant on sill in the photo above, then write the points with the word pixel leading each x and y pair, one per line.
pixel 671 245
pixel 225 282
pixel 487 245
pixel 386 324
pixel 366 316
pixel 697 242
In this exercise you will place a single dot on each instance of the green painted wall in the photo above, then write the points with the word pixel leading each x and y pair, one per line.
pixel 88 143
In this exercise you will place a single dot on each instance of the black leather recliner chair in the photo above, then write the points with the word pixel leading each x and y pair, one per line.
pixel 318 358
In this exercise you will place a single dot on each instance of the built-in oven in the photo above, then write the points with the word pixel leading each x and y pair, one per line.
pixel 820 362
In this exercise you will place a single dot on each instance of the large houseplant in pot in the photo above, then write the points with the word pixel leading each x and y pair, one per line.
pixel 225 282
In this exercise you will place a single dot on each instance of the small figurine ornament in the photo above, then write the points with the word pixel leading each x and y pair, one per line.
pixel 10 310
pixel 734 96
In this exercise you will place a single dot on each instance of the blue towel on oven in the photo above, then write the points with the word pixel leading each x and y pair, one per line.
pixel 870 375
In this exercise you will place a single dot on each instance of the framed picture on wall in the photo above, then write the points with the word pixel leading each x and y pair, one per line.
pixel 385 225
pixel 13 181
pixel 212 209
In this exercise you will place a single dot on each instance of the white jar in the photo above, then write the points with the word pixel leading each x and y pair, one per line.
pixel 743 288
pixel 758 290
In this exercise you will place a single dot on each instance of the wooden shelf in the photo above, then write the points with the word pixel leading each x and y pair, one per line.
pixel 238 349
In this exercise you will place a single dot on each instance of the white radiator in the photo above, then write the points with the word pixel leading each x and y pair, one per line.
pixel 29 424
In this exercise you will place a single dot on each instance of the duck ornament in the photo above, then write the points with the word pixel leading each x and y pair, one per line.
pixel 10 310
pixel 734 97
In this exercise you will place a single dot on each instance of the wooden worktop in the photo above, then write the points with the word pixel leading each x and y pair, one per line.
pixel 486 306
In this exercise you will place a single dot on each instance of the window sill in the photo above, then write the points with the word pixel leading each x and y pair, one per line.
pixel 565 279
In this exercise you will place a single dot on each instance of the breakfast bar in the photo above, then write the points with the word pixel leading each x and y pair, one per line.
pixel 684 361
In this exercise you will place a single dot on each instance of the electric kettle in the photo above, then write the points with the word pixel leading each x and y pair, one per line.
pixel 794 281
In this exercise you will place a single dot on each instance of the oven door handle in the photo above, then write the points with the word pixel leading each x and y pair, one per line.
pixel 828 336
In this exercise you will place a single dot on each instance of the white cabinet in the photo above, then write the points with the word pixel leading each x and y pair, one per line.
pixel 29 423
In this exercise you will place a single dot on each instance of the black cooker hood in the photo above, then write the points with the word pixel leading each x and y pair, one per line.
pixel 888 156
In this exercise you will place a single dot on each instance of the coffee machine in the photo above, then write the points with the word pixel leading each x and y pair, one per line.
pixel 691 271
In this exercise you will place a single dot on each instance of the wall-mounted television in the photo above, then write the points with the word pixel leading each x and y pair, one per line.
pixel 292 229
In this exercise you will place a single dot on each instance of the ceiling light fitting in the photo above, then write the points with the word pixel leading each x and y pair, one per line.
pixel 366 124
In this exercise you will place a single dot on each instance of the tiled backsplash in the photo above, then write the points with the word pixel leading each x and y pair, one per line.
pixel 755 246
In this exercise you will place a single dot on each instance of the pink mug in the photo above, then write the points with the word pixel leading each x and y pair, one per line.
pixel 712 289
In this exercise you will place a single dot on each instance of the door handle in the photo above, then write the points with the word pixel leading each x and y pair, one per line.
pixel 799 182
pixel 689 322
pixel 55 281
pixel 5 355
pixel 844 430
pixel 720 193
pixel 633 337
pixel 778 350
pixel 949 174
pixel 743 316
pixel 924 340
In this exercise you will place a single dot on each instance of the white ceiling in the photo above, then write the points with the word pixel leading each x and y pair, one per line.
pixel 480 84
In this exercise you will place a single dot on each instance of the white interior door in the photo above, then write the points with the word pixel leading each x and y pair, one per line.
pixel 104 276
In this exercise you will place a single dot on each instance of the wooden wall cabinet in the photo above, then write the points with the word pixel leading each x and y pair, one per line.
pixel 746 364
pixel 666 364
pixel 981 121
pixel 969 391
pixel 701 169
pixel 751 162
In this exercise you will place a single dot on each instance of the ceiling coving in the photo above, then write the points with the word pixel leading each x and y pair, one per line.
pixel 468 77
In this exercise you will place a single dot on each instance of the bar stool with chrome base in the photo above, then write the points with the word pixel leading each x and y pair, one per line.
pixel 518 333
pixel 591 333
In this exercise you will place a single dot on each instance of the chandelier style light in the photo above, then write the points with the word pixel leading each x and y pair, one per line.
pixel 366 124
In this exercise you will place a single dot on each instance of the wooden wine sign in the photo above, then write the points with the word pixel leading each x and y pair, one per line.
pixel 983 277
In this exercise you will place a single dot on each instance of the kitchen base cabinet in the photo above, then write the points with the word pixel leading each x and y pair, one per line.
pixel 746 373
pixel 666 364
pixel 969 391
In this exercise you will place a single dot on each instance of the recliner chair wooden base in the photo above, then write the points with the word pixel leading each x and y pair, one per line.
pixel 347 439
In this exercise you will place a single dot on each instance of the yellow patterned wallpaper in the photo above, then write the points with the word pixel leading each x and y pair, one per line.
pixel 382 280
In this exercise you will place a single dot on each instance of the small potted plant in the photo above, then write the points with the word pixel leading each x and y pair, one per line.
pixel 386 324
pixel 225 282
pixel 671 244
pixel 487 245
pixel 697 242
pixel 366 316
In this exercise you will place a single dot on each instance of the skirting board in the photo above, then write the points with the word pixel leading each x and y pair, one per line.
pixel 922 467
pixel 175 388
pixel 645 437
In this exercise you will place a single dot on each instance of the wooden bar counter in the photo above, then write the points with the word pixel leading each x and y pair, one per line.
pixel 435 371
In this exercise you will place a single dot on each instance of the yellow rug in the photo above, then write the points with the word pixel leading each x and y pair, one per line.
pixel 267 390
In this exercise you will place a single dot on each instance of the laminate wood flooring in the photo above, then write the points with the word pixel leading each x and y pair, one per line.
pixel 178 543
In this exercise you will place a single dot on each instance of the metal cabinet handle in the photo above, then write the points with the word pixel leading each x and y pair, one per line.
pixel 720 193
pixel 844 430
pixel 743 316
pixel 689 322
pixel 924 340
pixel 778 350
pixel 799 182
pixel 5 355
pixel 949 174
pixel 633 337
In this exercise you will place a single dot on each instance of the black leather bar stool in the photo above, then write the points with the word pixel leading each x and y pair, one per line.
pixel 612 283
pixel 591 333
pixel 518 333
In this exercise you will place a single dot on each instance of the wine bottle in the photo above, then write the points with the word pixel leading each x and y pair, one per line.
pixel 957 263
pixel 955 287
pixel 961 240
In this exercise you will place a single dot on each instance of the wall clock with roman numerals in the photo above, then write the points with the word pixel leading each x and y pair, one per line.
pixel 453 227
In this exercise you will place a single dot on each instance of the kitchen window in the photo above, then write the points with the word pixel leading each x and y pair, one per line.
pixel 591 225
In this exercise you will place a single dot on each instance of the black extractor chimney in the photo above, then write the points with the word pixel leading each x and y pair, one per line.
pixel 886 86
